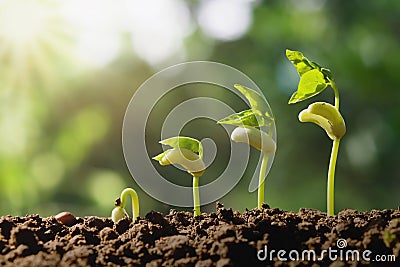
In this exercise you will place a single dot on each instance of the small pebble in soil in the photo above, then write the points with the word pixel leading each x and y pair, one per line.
pixel 66 218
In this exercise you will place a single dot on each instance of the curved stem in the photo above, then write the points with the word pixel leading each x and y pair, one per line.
pixel 135 201
pixel 196 196
pixel 261 181
pixel 331 178
pixel 336 90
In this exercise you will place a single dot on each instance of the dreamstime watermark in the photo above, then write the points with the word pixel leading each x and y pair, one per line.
pixel 145 100
pixel 331 254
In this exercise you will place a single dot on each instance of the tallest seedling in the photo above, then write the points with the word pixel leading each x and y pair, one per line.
pixel 313 80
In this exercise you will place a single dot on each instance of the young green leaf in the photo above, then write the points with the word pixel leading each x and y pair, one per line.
pixel 180 142
pixel 257 103
pixel 313 78
pixel 243 118
pixel 160 157
pixel 299 61
pixel 311 83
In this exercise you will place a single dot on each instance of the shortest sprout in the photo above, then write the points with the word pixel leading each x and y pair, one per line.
pixel 119 211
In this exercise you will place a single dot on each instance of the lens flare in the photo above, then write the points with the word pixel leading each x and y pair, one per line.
pixel 31 36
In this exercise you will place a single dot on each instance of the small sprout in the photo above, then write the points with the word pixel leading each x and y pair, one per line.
pixel 188 153
pixel 313 80
pixel 119 212
pixel 249 132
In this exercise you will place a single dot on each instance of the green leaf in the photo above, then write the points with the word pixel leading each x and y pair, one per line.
pixel 244 118
pixel 159 157
pixel 258 105
pixel 313 78
pixel 300 62
pixel 184 142
pixel 311 83
pixel 304 65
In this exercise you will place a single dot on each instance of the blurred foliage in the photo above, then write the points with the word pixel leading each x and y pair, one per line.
pixel 62 107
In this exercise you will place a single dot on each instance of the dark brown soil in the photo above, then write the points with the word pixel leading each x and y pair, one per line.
pixel 224 238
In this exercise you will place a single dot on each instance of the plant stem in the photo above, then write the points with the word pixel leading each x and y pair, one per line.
pixel 331 178
pixel 135 201
pixel 336 90
pixel 261 181
pixel 332 163
pixel 196 196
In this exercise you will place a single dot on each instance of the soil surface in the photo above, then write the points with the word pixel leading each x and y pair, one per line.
pixel 223 238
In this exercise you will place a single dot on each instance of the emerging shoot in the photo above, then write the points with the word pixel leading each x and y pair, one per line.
pixel 188 153
pixel 119 212
pixel 313 80
pixel 249 131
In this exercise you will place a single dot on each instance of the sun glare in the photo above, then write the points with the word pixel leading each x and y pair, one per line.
pixel 225 20
pixel 31 35
pixel 158 35
pixel 22 21
pixel 34 33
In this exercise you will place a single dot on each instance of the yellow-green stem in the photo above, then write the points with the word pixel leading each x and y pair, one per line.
pixel 336 91
pixel 331 178
pixel 332 163
pixel 135 201
pixel 196 196
pixel 261 181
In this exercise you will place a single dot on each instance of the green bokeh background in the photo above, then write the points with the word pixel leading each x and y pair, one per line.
pixel 61 110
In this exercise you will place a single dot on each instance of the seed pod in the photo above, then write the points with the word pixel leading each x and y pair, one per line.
pixel 327 117
pixel 66 218
pixel 254 137
pixel 187 159
pixel 118 212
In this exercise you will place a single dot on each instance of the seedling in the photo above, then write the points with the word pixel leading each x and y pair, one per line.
pixel 119 210
pixel 249 131
pixel 313 80
pixel 188 153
